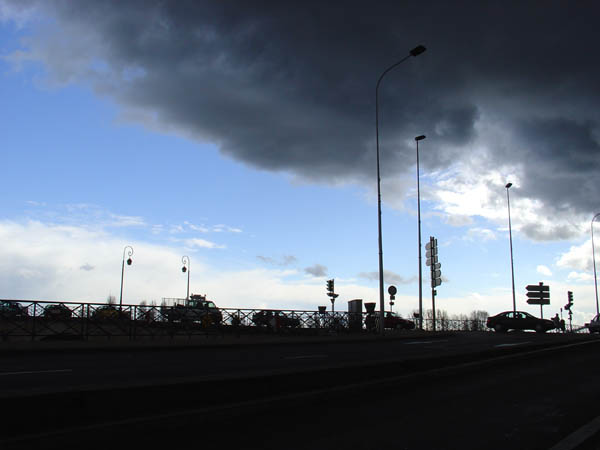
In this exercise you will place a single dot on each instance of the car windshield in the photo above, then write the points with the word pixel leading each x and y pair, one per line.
pixel 210 305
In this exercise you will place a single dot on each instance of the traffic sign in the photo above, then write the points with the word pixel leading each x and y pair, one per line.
pixel 428 245
pixel 537 287
pixel 430 253
pixel 392 290
pixel 538 301
pixel 538 295
pixel 432 260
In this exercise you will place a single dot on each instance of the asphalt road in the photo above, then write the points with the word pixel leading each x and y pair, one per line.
pixel 31 373
pixel 530 401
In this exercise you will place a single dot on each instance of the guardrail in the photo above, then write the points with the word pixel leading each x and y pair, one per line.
pixel 52 320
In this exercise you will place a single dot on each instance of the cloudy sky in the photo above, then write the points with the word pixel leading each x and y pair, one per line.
pixel 243 136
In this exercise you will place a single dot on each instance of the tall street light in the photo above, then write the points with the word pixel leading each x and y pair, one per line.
pixel 414 52
pixel 129 250
pixel 512 269
pixel 186 268
pixel 417 139
pixel 594 262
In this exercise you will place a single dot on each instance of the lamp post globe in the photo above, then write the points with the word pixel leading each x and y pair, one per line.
pixel 186 268
pixel 129 250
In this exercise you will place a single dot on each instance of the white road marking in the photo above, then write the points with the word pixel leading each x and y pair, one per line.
pixel 424 342
pixel 28 372
pixel 579 436
pixel 305 357
pixel 512 345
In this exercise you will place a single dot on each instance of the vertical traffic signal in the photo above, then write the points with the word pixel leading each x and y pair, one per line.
pixel 330 287
pixel 569 305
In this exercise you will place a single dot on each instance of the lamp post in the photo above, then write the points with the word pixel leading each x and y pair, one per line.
pixel 417 139
pixel 129 261
pixel 414 52
pixel 186 268
pixel 594 262
pixel 512 269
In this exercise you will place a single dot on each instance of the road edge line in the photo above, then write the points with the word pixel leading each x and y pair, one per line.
pixel 579 436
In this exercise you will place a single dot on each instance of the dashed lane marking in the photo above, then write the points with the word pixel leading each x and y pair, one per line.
pixel 425 342
pixel 305 357
pixel 29 372
pixel 512 344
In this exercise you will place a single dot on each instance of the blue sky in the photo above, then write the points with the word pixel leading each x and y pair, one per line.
pixel 85 173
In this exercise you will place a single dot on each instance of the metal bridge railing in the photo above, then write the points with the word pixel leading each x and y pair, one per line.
pixel 52 320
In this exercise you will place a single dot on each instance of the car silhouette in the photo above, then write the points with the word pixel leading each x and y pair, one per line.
pixel 12 310
pixel 594 325
pixel 110 312
pixel 267 318
pixel 393 320
pixel 57 312
pixel 518 320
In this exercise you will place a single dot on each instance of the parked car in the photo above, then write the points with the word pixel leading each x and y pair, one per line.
pixel 12 310
pixel 393 320
pixel 57 312
pixel 518 320
pixel 594 325
pixel 110 312
pixel 274 319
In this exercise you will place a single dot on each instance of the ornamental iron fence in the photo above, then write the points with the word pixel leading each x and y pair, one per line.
pixel 64 320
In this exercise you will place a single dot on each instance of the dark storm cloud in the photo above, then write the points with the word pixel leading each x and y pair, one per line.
pixel 316 270
pixel 290 86
pixel 390 277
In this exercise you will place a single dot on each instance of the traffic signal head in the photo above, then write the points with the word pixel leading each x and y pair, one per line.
pixel 330 285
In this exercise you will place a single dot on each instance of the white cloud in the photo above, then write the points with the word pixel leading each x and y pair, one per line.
pixel 481 234
pixel 580 276
pixel 201 243
pixel 466 191
pixel 579 257
pixel 541 269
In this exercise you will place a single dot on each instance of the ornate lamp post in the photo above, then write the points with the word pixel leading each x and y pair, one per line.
pixel 186 268
pixel 129 250
pixel 414 52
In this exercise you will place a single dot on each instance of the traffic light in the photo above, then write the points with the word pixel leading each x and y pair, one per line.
pixel 569 305
pixel 330 287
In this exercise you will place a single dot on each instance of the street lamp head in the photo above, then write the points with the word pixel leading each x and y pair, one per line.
pixel 129 261
pixel 184 269
pixel 420 138
pixel 508 185
pixel 417 50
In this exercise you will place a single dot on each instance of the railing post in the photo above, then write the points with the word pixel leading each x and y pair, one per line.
pixel 87 322
pixel 33 322
pixel 82 320
pixel 135 313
